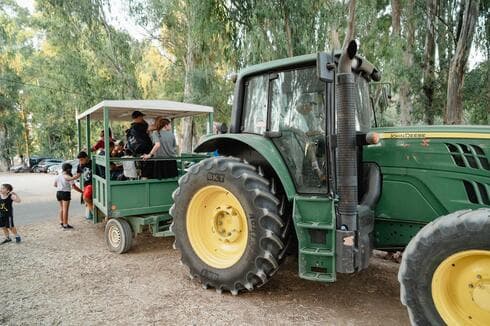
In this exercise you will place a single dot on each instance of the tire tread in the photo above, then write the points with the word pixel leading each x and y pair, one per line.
pixel 436 241
pixel 259 191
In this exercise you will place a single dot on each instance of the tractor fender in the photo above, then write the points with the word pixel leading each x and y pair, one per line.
pixel 255 149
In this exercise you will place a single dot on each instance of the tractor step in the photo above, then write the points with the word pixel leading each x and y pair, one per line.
pixel 314 220
pixel 317 252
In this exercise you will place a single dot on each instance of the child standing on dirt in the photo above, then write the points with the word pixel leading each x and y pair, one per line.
pixel 7 197
pixel 64 182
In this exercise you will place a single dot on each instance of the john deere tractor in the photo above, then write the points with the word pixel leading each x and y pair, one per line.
pixel 302 171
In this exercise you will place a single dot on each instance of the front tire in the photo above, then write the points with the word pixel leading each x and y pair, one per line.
pixel 445 271
pixel 118 235
pixel 227 225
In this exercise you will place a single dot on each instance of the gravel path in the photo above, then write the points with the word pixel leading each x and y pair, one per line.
pixel 57 277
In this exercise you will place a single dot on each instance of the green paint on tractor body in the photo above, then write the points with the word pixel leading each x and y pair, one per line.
pixel 427 172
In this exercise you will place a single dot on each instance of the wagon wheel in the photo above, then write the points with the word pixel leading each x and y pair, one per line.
pixel 118 235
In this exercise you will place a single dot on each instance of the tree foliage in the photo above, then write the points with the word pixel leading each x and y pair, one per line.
pixel 66 56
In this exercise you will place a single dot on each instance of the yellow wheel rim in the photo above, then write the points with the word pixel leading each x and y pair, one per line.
pixel 217 227
pixel 461 288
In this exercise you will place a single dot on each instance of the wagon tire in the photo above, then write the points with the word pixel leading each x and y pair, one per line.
pixel 118 235
pixel 228 183
pixel 452 247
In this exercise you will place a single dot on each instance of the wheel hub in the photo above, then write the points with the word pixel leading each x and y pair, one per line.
pixel 461 288
pixel 481 294
pixel 114 236
pixel 227 224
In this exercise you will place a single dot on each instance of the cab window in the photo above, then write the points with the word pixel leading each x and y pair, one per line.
pixel 254 114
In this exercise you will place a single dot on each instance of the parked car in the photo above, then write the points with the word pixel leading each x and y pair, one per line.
pixel 56 169
pixel 19 168
pixel 45 164
pixel 35 160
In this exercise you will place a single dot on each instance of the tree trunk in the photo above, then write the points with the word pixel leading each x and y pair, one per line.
pixel 287 30
pixel 454 108
pixel 406 107
pixel 395 17
pixel 334 39
pixel 23 117
pixel 351 24
pixel 4 157
pixel 445 41
pixel 186 123
pixel 429 55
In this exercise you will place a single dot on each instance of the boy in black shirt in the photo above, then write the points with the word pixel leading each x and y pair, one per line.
pixel 84 171
pixel 7 197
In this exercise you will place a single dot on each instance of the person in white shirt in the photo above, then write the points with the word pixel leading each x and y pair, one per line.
pixel 64 183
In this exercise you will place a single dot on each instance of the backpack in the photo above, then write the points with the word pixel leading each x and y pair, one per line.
pixel 138 140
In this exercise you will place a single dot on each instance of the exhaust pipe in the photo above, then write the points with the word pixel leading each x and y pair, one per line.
pixel 346 162
pixel 346 139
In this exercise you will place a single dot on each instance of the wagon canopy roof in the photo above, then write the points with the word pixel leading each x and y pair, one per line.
pixel 121 110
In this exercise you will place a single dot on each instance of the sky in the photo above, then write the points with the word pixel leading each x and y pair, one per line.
pixel 119 17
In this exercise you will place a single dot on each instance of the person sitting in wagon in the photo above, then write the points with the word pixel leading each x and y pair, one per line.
pixel 84 170
pixel 100 144
pixel 118 150
pixel 164 145
pixel 139 142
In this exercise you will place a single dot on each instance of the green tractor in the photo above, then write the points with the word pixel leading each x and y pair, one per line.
pixel 302 171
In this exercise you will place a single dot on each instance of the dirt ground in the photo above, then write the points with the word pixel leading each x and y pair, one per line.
pixel 69 277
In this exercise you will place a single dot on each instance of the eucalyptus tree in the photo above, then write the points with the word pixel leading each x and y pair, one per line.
pixel 15 46
pixel 466 28
pixel 195 37
pixel 406 107
pixel 80 61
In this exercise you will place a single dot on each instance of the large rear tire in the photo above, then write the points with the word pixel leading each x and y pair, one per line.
pixel 445 271
pixel 227 225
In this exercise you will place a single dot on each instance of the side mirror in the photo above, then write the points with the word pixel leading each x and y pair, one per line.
pixel 233 76
pixel 325 67
pixel 223 128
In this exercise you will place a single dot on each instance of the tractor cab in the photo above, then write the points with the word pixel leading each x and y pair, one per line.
pixel 296 109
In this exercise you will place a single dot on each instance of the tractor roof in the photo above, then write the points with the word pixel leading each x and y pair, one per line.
pixel 121 110
pixel 361 65
pixel 301 60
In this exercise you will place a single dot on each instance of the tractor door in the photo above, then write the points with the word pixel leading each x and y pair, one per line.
pixel 297 119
